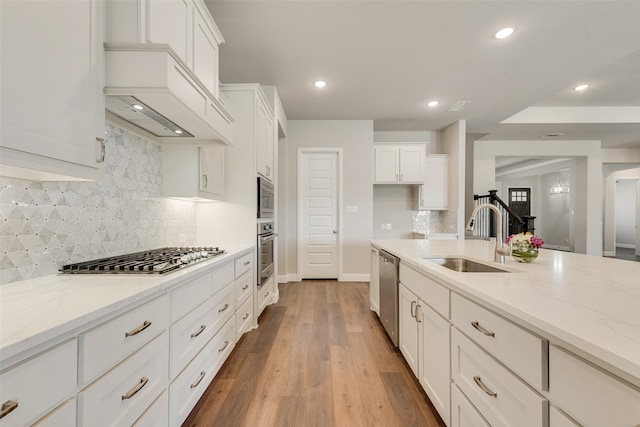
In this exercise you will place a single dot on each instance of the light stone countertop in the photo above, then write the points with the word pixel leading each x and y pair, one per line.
pixel 33 312
pixel 589 305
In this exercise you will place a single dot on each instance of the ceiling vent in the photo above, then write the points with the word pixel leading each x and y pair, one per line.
pixel 459 106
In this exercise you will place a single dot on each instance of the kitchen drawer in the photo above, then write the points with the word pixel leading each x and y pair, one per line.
pixel 501 398
pixel 190 334
pixel 558 419
pixel 244 287
pixel 157 415
pixel 264 295
pixel 222 276
pixel 244 318
pixel 188 296
pixel 523 352
pixel 141 377
pixel 463 413
pixel 39 384
pixel 106 345
pixel 187 389
pixel 429 291
pixel 244 264
pixel 63 415
pixel 589 395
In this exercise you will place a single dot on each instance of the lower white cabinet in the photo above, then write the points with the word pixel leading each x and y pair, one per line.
pixel 244 318
pixel 589 395
pixel 189 386
pixel 156 415
pixel 463 413
pixel 265 293
pixel 63 415
pixel 21 387
pixel 124 393
pixel 374 282
pixel 408 339
pixel 558 419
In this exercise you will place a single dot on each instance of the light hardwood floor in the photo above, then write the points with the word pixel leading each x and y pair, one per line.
pixel 321 358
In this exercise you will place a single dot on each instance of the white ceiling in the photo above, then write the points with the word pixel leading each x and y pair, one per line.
pixel 383 60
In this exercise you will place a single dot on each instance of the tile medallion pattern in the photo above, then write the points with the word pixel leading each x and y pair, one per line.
pixel 44 225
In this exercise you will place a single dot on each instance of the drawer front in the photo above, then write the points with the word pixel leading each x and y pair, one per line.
pixel 244 287
pixel 125 392
pixel 501 398
pixel 463 414
pixel 428 290
pixel 19 385
pixel 157 414
pixel 264 295
pixel 189 296
pixel 64 415
pixel 244 318
pixel 590 396
pixel 222 276
pixel 106 345
pixel 558 419
pixel 243 264
pixel 185 391
pixel 523 352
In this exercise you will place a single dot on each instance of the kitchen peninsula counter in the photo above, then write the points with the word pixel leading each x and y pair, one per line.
pixel 35 311
pixel 589 305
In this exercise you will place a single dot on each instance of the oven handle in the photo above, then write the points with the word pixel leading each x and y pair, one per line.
pixel 268 238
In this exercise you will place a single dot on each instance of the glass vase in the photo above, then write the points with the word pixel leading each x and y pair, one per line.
pixel 523 253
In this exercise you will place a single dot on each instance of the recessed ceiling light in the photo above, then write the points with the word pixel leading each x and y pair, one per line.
pixel 178 131
pixel 138 107
pixel 320 84
pixel 581 87
pixel 504 33
pixel 432 103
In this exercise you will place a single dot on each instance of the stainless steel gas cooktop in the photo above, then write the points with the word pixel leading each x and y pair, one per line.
pixel 155 261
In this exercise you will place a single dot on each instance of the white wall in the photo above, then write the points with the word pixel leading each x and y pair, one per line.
pixel 626 213
pixel 556 209
pixel 355 137
pixel 613 171
pixel 393 204
pixel 452 142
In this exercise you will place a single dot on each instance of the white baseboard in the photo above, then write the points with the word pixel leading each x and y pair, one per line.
pixel 626 245
pixel 354 278
pixel 286 278
pixel 609 253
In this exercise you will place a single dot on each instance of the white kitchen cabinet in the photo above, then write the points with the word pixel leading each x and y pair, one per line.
pixel 265 295
pixel 463 413
pixel 264 140
pixel 424 341
pixel 588 394
pixel 559 419
pixel 191 171
pixel 374 282
pixel 433 194
pixel 156 415
pixel 244 318
pixel 63 415
pixel 52 103
pixel 399 164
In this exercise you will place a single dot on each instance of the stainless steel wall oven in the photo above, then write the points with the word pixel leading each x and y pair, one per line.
pixel 266 237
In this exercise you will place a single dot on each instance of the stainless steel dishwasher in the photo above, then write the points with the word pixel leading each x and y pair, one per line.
pixel 389 265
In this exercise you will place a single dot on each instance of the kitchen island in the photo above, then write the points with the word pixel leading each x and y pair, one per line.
pixel 575 305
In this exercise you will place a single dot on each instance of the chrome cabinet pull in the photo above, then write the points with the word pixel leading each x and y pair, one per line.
pixel 128 395
pixel 201 330
pixel 487 332
pixel 418 306
pixel 413 307
pixel 245 317
pixel 226 344
pixel 247 262
pixel 137 330
pixel 202 374
pixel 101 150
pixel 223 308
pixel 8 407
pixel 484 388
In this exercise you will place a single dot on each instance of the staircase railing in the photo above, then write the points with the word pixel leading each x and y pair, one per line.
pixel 486 221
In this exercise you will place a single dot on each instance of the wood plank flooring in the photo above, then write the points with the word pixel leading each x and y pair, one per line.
pixel 321 358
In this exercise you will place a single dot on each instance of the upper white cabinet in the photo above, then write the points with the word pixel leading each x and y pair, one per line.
pixel 264 140
pixel 399 164
pixel 433 194
pixel 52 103
pixel 193 171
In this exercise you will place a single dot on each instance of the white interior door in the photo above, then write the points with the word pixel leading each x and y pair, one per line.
pixel 318 215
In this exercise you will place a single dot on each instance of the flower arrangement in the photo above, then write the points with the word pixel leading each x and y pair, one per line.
pixel 524 246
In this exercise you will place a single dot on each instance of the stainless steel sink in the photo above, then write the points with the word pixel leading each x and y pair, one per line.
pixel 465 265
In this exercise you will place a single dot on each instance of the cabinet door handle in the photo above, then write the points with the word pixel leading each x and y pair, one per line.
pixel 223 308
pixel 202 374
pixel 128 395
pixel 205 181
pixel 247 262
pixel 245 317
pixel 418 306
pixel 8 407
pixel 137 330
pixel 268 170
pixel 485 331
pixel 413 307
pixel 226 344
pixel 101 150
pixel 199 331
pixel 245 287
pixel 484 388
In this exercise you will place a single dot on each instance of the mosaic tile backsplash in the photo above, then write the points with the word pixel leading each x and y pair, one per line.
pixel 435 221
pixel 44 225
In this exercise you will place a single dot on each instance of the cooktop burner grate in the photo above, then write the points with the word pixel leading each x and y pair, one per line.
pixel 155 261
